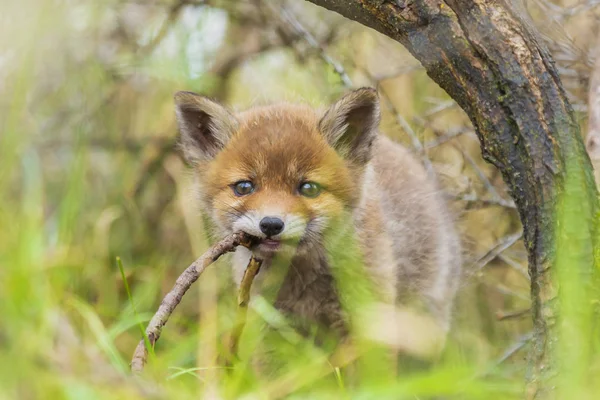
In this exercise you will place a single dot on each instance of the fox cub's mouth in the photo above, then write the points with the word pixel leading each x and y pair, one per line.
pixel 269 244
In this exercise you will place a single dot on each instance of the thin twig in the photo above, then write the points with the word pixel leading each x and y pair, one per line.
pixel 498 248
pixel 521 342
pixel 183 283
pixel 442 106
pixel 482 177
pixel 502 315
pixel 505 290
pixel 416 142
pixel 515 264
pixel 289 18
pixel 243 300
pixel 509 352
pixel 449 135
pixel 474 202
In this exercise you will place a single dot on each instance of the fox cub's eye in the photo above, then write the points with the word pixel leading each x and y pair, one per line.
pixel 243 188
pixel 309 189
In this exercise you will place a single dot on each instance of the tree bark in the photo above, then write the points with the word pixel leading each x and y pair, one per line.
pixel 592 140
pixel 486 56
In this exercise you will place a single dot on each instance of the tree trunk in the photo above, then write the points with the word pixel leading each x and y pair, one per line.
pixel 486 56
pixel 592 140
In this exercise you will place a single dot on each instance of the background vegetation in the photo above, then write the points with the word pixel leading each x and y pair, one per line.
pixel 89 173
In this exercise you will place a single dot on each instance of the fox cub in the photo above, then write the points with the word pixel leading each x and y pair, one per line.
pixel 294 177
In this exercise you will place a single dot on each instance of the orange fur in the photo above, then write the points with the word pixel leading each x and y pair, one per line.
pixel 368 184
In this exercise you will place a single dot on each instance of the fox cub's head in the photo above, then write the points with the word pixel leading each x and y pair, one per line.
pixel 284 173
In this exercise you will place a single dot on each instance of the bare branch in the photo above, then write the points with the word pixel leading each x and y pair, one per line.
pixel 310 39
pixel 243 300
pixel 289 18
pixel 475 202
pixel 449 135
pixel 183 283
pixel 521 342
pixel 498 248
pixel 502 315
pixel 482 177
pixel 592 141
pixel 416 142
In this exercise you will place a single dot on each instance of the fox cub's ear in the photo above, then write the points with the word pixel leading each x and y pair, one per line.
pixel 205 126
pixel 350 125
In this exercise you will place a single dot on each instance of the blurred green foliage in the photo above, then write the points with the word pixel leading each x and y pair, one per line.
pixel 88 173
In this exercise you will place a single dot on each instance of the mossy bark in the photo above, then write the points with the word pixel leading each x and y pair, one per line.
pixel 486 55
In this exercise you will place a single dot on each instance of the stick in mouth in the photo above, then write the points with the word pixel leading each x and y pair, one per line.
pixel 183 283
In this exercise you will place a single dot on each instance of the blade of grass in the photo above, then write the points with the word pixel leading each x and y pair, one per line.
pixel 125 324
pixel 99 331
pixel 135 313
pixel 190 371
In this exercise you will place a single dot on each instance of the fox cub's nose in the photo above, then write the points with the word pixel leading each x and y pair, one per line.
pixel 271 226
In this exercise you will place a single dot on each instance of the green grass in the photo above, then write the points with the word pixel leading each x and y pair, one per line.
pixel 576 284
pixel 149 346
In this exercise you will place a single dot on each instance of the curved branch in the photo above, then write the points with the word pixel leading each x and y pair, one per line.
pixel 487 57
pixel 173 298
